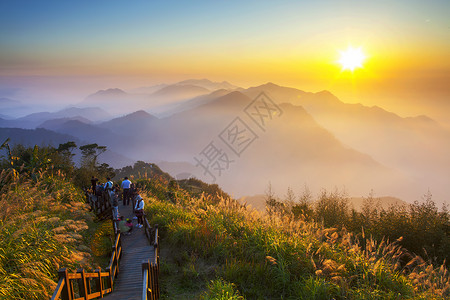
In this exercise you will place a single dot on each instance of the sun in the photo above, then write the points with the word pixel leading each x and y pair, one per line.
pixel 352 58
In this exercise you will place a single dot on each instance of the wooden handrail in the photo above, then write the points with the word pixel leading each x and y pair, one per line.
pixel 59 288
pixel 65 287
pixel 145 271
pixel 150 269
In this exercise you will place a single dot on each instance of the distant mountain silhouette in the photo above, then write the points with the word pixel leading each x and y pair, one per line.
pixel 43 137
pixel 167 110
pixel 296 147
pixel 87 132
pixel 34 120
pixel 130 125
pixel 203 83
pixel 54 124
pixel 147 89
pixel 417 146
pixel 315 138
pixel 118 102
pixel 5 102
pixel 181 91
pixel 208 84
pixel 11 108
pixel 114 101
pixel 31 137
pixel 113 92
pixel 94 114
pixel 172 95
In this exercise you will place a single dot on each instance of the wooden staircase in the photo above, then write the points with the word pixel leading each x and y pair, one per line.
pixel 134 268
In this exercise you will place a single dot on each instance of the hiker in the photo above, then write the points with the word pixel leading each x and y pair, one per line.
pixel 115 206
pixel 126 191
pixel 94 184
pixel 108 187
pixel 139 210
pixel 132 194
pixel 129 224
pixel 124 228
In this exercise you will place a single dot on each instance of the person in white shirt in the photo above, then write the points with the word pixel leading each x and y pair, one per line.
pixel 139 210
pixel 126 195
pixel 108 187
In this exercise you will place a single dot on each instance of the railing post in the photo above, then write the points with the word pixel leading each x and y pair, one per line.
pixel 99 281
pixel 157 279
pixel 152 282
pixel 82 285
pixel 115 261
pixel 156 233
pixel 66 293
pixel 119 245
pixel 110 278
pixel 145 280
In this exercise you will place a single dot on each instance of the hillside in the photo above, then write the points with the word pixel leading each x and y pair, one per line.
pixel 31 137
pixel 215 248
pixel 212 246
pixel 46 224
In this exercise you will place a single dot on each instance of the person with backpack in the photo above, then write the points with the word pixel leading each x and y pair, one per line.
pixel 108 187
pixel 139 210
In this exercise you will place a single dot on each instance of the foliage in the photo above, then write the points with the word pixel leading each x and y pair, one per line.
pixel 44 226
pixel 90 154
pixel 422 227
pixel 196 188
pixel 278 256
pixel 141 170
pixel 221 290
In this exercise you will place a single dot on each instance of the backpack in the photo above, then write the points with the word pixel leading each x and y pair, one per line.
pixel 109 185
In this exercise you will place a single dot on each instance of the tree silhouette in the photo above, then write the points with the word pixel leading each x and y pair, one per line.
pixel 90 154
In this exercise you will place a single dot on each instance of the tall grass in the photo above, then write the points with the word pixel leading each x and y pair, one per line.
pixel 44 225
pixel 275 256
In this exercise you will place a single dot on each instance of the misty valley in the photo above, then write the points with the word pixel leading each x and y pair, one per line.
pixel 224 134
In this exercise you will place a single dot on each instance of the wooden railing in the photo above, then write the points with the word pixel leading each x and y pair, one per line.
pixel 82 285
pixel 100 204
pixel 78 286
pixel 150 267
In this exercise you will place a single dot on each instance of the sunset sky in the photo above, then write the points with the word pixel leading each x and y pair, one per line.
pixel 125 44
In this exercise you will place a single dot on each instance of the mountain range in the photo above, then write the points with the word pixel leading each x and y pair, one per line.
pixel 245 138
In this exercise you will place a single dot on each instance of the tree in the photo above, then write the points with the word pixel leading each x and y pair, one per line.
pixel 90 154
pixel 6 146
pixel 304 208
pixel 104 170
pixel 272 204
pixel 66 149
pixel 332 209
pixel 89 166
pixel 63 157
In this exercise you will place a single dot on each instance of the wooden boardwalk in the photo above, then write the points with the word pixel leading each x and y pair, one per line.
pixel 136 248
